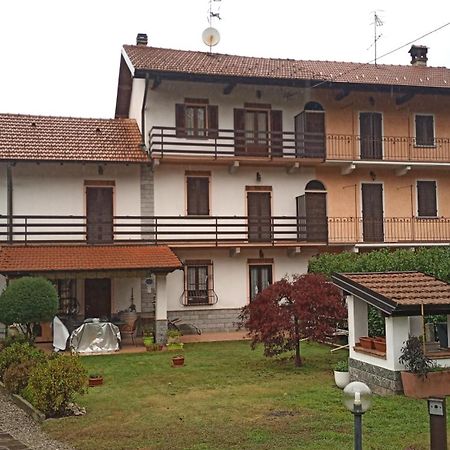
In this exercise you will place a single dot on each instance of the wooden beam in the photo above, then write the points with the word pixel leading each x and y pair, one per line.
pixel 156 83
pixel 401 99
pixel 342 94
pixel 228 88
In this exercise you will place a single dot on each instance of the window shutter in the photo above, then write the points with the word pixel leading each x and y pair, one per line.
pixel 426 199
pixel 180 120
pixel 198 196
pixel 239 130
pixel 213 121
pixel 276 129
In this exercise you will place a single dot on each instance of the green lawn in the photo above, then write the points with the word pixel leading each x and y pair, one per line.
pixel 229 397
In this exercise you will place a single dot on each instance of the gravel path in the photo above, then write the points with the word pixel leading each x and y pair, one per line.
pixel 23 428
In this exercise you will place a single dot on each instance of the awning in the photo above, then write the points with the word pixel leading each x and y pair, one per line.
pixel 398 293
pixel 129 260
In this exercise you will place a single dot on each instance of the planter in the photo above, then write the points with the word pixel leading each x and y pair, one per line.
pixel 178 361
pixel 435 384
pixel 154 347
pixel 366 342
pixel 95 381
pixel 341 379
pixel 380 344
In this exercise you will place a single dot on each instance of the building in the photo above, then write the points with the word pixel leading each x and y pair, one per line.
pixel 257 164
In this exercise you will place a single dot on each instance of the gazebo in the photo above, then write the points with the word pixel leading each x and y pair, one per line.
pixel 403 299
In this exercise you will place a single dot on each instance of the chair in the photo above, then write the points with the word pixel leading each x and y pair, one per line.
pixel 128 330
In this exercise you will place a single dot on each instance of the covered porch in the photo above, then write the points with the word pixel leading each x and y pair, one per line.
pixel 403 300
pixel 117 283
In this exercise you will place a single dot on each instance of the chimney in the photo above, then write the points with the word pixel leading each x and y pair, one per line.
pixel 141 39
pixel 418 55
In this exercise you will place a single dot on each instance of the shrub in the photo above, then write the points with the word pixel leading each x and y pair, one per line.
pixel 341 366
pixel 19 353
pixel 375 322
pixel 28 300
pixel 54 384
pixel 16 376
pixel 413 357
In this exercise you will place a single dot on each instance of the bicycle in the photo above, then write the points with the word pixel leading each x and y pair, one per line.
pixel 183 328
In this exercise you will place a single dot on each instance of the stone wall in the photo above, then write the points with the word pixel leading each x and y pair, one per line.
pixel 382 381
pixel 212 320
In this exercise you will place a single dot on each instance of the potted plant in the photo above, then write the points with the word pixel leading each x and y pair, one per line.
pixel 148 339
pixel 95 379
pixel 173 337
pixel 341 374
pixel 366 342
pixel 379 343
pixel 422 378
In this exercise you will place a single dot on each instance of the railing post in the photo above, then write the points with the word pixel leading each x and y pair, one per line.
pixel 162 142
pixel 156 230
pixel 26 229
pixel 215 146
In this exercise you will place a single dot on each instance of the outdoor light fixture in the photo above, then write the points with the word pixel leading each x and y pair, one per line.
pixel 357 399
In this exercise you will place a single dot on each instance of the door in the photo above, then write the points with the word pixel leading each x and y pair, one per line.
pixel 312 217
pixel 372 211
pixel 259 216
pixel 257 133
pixel 370 126
pixel 97 297
pixel 310 134
pixel 99 212
pixel 260 276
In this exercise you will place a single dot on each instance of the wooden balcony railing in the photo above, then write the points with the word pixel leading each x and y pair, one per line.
pixel 225 143
pixel 222 230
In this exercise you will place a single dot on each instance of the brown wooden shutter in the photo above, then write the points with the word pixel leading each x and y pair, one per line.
pixel 198 196
pixel 213 121
pixel 276 129
pixel 180 120
pixel 424 130
pixel 239 133
pixel 426 199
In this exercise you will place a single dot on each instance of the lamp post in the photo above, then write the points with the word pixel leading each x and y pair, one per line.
pixel 357 399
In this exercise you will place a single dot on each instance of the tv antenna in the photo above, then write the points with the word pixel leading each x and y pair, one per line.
pixel 377 22
pixel 210 35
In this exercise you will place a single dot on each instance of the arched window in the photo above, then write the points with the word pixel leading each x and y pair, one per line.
pixel 310 131
pixel 315 185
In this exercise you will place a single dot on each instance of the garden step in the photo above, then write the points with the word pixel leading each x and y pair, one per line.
pixel 7 442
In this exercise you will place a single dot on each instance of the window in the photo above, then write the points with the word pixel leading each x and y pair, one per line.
pixel 256 127
pixel 197 195
pixel 426 199
pixel 196 118
pixel 199 288
pixel 260 276
pixel 67 294
pixel 424 130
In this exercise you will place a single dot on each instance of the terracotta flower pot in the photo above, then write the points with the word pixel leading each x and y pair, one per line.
pixel 380 344
pixel 366 342
pixel 435 384
pixel 95 381
pixel 178 361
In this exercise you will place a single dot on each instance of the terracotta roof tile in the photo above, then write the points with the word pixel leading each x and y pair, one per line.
pixel 86 258
pixel 24 137
pixel 203 63
pixel 405 288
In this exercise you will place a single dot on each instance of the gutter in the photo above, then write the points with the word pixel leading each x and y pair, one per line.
pixel 144 102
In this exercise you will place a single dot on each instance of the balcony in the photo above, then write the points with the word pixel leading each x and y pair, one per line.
pixel 279 147
pixel 223 231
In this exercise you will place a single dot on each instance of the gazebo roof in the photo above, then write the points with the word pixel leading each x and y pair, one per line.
pixel 398 293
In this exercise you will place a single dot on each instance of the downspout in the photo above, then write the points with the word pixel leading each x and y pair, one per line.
pixel 9 202
pixel 144 102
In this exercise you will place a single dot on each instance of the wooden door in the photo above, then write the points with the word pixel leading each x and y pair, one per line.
pixel 310 134
pixel 316 216
pixel 97 297
pixel 372 211
pixel 370 126
pixel 259 216
pixel 257 133
pixel 99 212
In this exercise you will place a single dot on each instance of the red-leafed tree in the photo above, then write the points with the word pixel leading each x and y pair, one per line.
pixel 309 306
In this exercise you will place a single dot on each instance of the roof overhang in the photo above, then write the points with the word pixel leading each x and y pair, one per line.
pixel 87 261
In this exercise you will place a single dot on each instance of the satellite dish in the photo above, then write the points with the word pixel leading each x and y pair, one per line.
pixel 211 37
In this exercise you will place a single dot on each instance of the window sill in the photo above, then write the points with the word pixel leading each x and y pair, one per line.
pixel 198 304
pixel 427 217
pixel 432 146
pixel 370 351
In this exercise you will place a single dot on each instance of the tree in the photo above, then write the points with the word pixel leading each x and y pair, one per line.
pixel 308 306
pixel 27 301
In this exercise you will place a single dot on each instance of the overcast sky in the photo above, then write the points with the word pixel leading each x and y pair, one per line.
pixel 61 57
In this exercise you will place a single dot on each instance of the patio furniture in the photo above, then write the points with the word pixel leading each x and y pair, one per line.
pixel 94 336
pixel 128 330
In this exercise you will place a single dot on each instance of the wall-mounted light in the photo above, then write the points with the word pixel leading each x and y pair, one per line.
pixel 371 101
pixel 258 176
pixel 373 175
pixel 258 94
pixel 100 170
pixel 261 253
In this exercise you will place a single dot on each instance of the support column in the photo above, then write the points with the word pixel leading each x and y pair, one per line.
pixel 161 309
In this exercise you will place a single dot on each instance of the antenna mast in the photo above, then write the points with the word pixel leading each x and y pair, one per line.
pixel 211 36
pixel 377 22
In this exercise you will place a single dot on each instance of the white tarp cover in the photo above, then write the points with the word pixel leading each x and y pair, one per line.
pixel 95 337
pixel 60 334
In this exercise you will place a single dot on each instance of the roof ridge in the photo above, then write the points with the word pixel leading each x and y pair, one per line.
pixel 44 116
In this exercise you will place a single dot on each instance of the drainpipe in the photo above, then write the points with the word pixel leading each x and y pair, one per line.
pixel 144 102
pixel 9 202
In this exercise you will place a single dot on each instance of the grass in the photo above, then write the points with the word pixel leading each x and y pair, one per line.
pixel 229 397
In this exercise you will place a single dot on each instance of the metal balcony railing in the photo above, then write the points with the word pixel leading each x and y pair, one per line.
pixel 166 142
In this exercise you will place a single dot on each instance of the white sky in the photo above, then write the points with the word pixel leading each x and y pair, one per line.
pixel 61 57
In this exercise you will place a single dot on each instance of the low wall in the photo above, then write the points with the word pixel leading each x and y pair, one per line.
pixel 212 320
